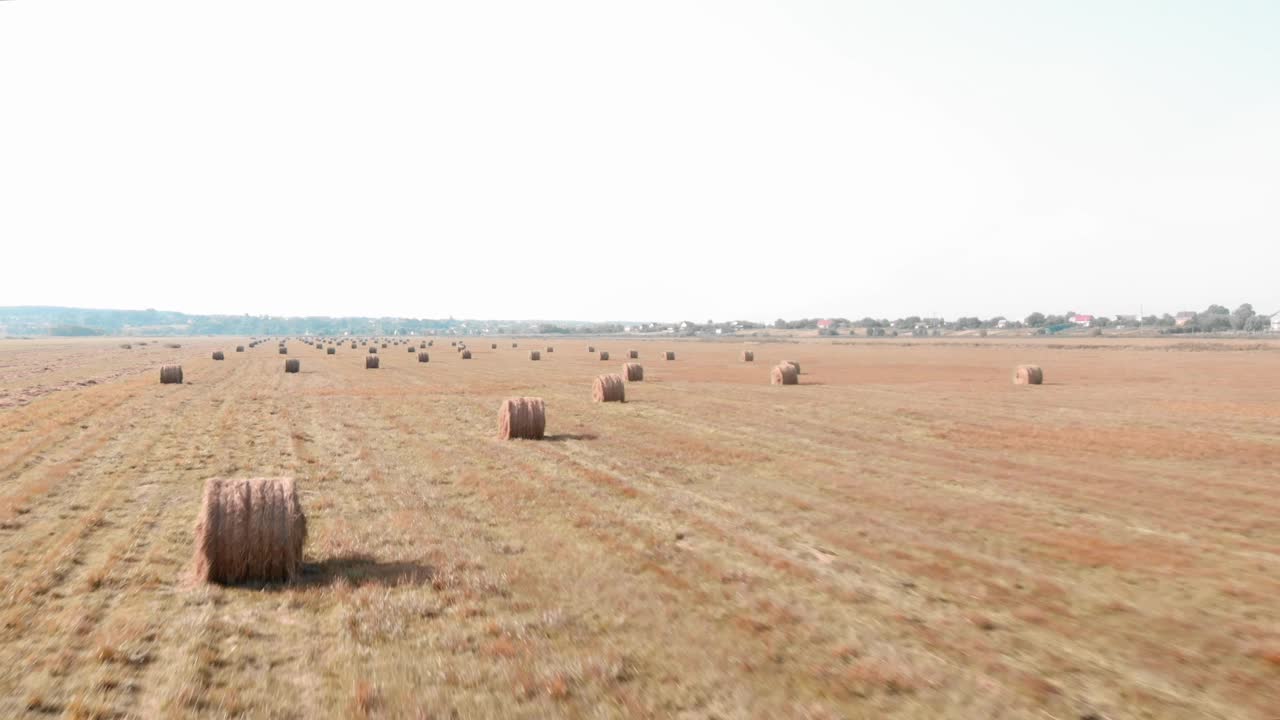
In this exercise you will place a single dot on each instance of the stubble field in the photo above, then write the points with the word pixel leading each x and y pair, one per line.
pixel 905 534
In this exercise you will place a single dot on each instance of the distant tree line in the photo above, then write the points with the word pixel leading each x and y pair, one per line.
pixel 43 320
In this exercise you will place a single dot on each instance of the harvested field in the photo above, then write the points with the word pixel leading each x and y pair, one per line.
pixel 905 534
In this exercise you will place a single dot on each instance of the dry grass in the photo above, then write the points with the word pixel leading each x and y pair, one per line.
pixel 249 529
pixel 609 388
pixel 784 374
pixel 922 540
pixel 522 418
pixel 1028 375
pixel 171 374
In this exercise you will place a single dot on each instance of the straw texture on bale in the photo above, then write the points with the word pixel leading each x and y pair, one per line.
pixel 609 388
pixel 633 372
pixel 292 365
pixel 793 364
pixel 535 355
pixel 524 417
pixel 239 348
pixel 424 357
pixel 371 362
pixel 249 529
pixel 170 374
pixel 633 354
pixel 217 355
pixel 668 355
pixel 784 374
pixel 1028 375
pixel 604 354
pixel 466 354
pixel 748 356
pixel 331 350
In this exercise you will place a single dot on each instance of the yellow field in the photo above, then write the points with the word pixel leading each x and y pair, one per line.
pixel 905 534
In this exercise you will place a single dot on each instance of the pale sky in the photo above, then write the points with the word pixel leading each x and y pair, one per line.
pixel 663 160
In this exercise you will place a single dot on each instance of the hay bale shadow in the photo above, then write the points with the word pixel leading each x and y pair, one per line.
pixel 362 569
pixel 564 437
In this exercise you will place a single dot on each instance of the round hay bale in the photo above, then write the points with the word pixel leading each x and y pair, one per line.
pixel 284 350
pixel 353 346
pixel 373 350
pixel 431 343
pixel 668 355
pixel 535 355
pixel 633 354
pixel 331 350
pixel 239 348
pixel 591 348
pixel 410 348
pixel 170 374
pixel 249 529
pixel 1028 375
pixel 466 354
pixel 384 346
pixel 292 365
pixel 370 362
pixel 515 345
pixel 550 349
pixel 793 364
pixel 453 343
pixel 172 346
pixel 493 346
pixel 126 346
pixel 633 372
pixel 217 355
pixel 604 354
pixel 424 357
pixel 748 356
pixel 784 374
pixel 609 388
pixel 524 417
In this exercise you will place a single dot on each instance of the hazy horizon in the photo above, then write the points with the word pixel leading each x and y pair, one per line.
pixel 632 320
pixel 676 160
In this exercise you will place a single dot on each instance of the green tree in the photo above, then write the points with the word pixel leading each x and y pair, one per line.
pixel 1241 316
pixel 1257 323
